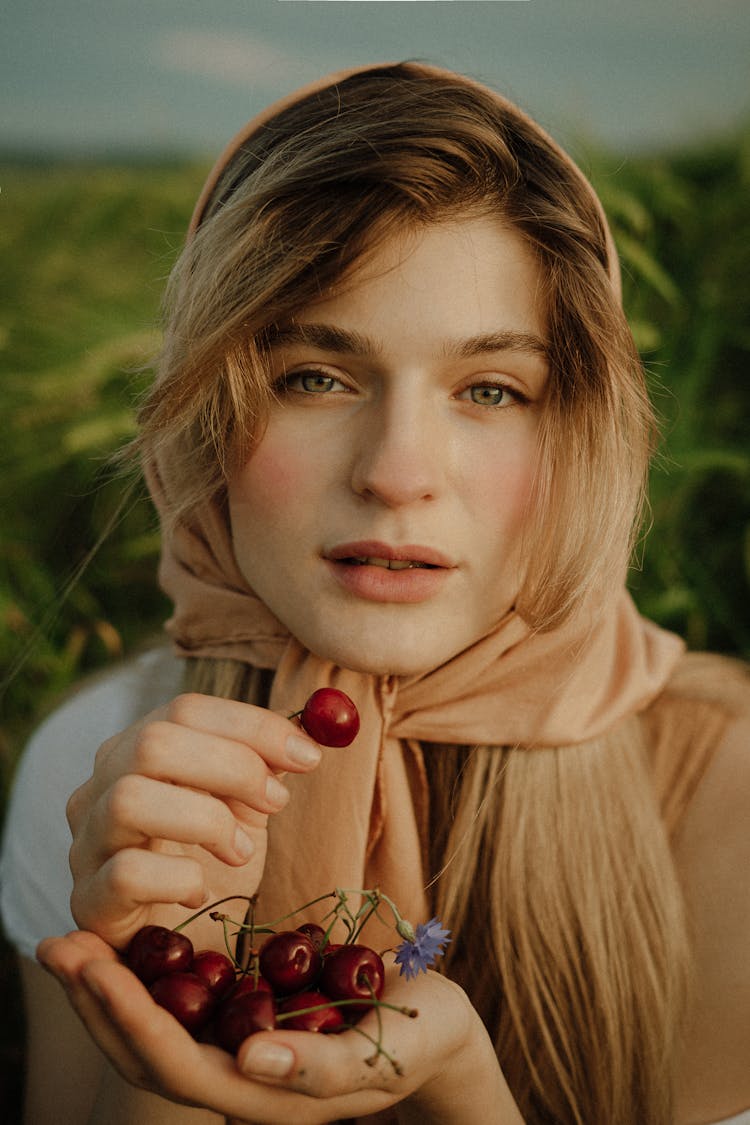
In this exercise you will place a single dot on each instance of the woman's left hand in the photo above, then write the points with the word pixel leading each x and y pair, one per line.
pixel 444 1055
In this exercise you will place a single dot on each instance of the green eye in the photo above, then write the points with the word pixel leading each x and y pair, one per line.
pixel 316 382
pixel 487 394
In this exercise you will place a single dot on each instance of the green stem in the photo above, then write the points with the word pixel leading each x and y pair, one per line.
pixel 246 934
pixel 412 1013
pixel 379 1050
pixel 267 927
pixel 206 909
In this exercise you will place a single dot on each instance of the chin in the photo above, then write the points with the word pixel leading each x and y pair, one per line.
pixel 394 656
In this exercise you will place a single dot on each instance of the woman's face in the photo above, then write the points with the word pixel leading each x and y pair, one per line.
pixel 380 516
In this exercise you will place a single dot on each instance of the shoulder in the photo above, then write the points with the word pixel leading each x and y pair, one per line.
pixel 705 701
pixel 709 737
pixel 712 854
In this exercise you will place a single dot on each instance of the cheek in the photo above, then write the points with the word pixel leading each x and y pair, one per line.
pixel 271 481
pixel 503 488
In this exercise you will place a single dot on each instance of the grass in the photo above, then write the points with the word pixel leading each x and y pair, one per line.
pixel 85 251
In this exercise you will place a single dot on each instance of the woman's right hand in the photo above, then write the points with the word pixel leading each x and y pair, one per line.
pixel 175 813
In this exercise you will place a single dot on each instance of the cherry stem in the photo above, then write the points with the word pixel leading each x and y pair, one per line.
pixel 340 912
pixel 268 927
pixel 379 1050
pixel 412 1013
pixel 206 909
pixel 246 935
pixel 227 945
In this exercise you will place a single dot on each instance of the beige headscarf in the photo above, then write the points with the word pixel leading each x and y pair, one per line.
pixel 361 819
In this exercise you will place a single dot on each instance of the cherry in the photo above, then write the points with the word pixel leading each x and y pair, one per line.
pixel 154 951
pixel 249 982
pixel 187 997
pixel 289 961
pixel 326 1018
pixel 316 934
pixel 330 717
pixel 243 1015
pixel 353 972
pixel 215 969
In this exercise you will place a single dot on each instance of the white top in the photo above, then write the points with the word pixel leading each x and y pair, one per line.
pixel 35 880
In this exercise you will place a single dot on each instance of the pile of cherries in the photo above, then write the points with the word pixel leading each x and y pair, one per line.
pixel 297 979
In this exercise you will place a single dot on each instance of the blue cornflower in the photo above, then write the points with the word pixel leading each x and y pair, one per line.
pixel 420 952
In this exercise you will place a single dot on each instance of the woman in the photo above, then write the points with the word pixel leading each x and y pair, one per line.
pixel 398 442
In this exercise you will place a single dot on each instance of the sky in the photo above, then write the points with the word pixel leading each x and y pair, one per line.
pixel 87 77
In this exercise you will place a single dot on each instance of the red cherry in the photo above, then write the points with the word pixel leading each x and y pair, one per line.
pixel 187 997
pixel 327 1018
pixel 289 961
pixel 330 717
pixel 243 1015
pixel 215 969
pixel 316 934
pixel 155 951
pixel 353 972
pixel 249 982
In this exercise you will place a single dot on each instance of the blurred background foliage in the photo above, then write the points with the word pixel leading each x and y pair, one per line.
pixel 85 250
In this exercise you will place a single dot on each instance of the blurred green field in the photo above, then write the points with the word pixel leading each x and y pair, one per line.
pixel 84 252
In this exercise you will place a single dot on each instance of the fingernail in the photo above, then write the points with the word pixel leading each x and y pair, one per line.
pixel 243 845
pixel 276 793
pixel 270 1059
pixel 301 751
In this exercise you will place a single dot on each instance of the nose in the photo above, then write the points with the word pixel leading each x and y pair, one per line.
pixel 400 457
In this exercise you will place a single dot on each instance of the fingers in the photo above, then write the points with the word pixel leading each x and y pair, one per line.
pixel 200 773
pixel 111 900
pixel 388 1053
pixel 194 744
pixel 212 761
pixel 323 1067
pixel 163 749
pixel 136 809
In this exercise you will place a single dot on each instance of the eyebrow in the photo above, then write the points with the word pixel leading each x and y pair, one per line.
pixel 328 337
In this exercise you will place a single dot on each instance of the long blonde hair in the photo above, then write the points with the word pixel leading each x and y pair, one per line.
pixel 552 866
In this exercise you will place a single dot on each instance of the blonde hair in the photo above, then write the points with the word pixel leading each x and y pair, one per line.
pixel 553 866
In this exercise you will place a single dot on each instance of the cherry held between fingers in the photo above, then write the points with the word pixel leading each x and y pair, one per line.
pixel 330 717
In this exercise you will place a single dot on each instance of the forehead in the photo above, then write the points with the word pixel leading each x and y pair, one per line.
pixel 462 276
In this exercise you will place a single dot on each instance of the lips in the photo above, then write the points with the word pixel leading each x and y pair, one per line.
pixel 377 572
pixel 374 553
